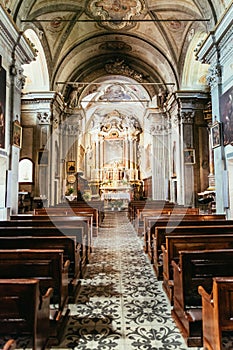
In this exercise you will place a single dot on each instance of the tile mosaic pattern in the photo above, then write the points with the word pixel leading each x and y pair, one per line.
pixel 121 305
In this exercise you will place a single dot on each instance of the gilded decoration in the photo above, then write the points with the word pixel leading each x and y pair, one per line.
pixel 120 11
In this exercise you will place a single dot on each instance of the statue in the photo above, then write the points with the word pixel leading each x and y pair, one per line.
pixel 74 97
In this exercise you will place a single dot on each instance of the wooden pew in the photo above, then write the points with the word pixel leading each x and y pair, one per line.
pixel 65 243
pixel 85 222
pixel 24 311
pixel 172 223
pixel 153 204
pixel 46 265
pixel 217 312
pixel 195 268
pixel 150 221
pixel 71 211
pixel 49 268
pixel 174 220
pixel 185 228
pixel 166 211
pixel 51 228
pixel 176 243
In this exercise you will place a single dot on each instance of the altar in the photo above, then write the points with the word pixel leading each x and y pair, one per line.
pixel 116 195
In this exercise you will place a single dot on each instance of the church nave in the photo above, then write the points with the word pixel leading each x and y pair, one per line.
pixel 121 305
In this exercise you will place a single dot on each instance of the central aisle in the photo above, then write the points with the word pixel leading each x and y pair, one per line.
pixel 121 305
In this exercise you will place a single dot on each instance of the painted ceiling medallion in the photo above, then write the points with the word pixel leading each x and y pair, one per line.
pixel 116 10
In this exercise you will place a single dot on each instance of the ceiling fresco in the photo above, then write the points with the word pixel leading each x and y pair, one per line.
pixel 149 42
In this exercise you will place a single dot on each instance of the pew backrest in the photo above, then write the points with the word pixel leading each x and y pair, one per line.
pixel 46 265
pixel 24 311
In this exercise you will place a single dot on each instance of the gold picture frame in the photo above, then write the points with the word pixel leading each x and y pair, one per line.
pixel 17 134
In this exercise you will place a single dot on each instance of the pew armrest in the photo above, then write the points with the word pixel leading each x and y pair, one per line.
pixel 205 296
pixel 45 300
pixel 10 345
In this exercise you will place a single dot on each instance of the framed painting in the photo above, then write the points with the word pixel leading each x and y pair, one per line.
pixel 216 134
pixel 226 109
pixel 70 166
pixel 17 134
pixel 189 156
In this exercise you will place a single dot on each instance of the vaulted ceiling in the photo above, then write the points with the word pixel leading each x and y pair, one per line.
pixel 148 41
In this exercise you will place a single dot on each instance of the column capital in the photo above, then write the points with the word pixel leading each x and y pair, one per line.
pixel 44 117
pixel 187 117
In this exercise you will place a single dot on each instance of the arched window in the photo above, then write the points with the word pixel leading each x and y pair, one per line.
pixel 26 170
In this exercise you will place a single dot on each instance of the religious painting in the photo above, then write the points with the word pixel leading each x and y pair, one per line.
pixel 189 156
pixel 226 107
pixel 70 166
pixel 113 151
pixel 17 134
pixel 2 106
pixel 215 135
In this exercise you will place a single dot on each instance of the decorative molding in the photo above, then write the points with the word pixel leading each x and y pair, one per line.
pixel 118 13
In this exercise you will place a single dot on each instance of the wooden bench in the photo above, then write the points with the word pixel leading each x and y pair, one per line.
pixel 24 311
pixel 177 243
pixel 84 221
pixel 65 243
pixel 166 211
pixel 49 268
pixel 185 228
pixel 71 211
pixel 171 223
pixel 150 224
pixel 217 312
pixel 46 265
pixel 195 268
pixel 50 228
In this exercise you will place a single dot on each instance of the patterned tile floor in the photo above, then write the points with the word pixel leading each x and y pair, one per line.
pixel 121 305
